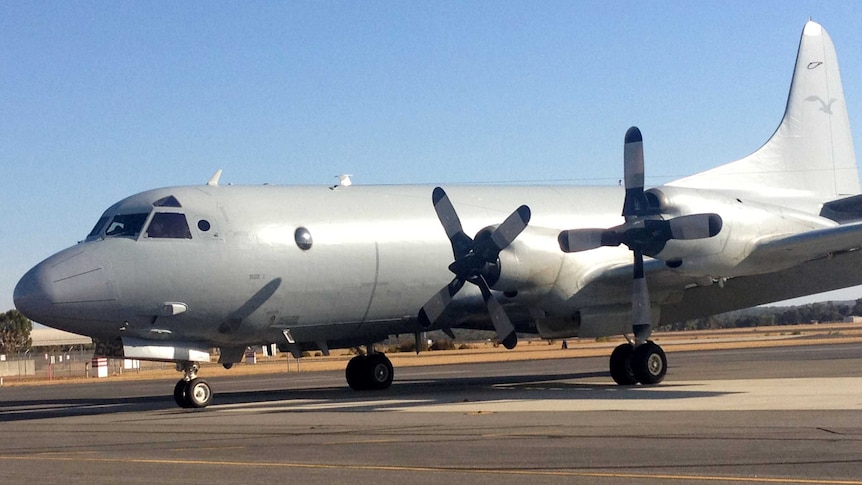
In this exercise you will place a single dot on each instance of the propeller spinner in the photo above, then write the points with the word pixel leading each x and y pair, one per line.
pixel 473 262
pixel 644 231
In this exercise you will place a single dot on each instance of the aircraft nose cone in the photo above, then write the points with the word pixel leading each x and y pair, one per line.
pixel 31 296
pixel 69 286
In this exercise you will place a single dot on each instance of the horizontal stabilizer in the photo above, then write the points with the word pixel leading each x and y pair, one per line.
pixel 848 209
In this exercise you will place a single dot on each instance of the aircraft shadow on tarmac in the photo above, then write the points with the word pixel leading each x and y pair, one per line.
pixel 340 398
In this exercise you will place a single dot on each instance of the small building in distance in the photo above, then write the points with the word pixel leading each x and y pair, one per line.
pixel 49 337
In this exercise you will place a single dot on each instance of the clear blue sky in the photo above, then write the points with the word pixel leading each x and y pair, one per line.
pixel 99 100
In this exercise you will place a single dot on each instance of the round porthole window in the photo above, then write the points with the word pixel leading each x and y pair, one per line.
pixel 204 225
pixel 303 238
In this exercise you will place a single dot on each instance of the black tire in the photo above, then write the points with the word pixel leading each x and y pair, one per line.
pixel 621 365
pixel 649 364
pixel 379 371
pixel 180 391
pixel 199 394
pixel 356 373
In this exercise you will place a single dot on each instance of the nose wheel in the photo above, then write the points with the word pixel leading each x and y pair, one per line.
pixel 191 392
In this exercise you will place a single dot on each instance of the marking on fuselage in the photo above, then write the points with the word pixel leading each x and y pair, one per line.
pixel 824 106
pixel 374 284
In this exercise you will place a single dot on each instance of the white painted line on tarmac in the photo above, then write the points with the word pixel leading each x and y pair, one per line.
pixel 311 405
pixel 803 394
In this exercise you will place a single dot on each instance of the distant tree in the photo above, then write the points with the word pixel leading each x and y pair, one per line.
pixel 14 332
pixel 825 312
pixel 747 321
pixel 790 316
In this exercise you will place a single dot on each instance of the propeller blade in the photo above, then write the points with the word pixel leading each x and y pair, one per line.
pixel 695 226
pixel 575 240
pixel 471 258
pixel 461 242
pixel 641 321
pixel 635 203
pixel 644 231
pixel 505 330
pixel 435 307
pixel 514 225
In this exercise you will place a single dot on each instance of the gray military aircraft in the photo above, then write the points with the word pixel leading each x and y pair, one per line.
pixel 171 273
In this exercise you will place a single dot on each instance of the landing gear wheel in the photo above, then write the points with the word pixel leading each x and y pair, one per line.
pixel 621 365
pixel 649 363
pixel 180 393
pixel 355 373
pixel 379 371
pixel 199 394
pixel 369 372
pixel 191 392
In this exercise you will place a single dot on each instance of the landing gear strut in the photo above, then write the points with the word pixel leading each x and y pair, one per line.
pixel 190 391
pixel 372 371
pixel 645 364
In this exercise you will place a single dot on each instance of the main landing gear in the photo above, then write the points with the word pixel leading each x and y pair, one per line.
pixel 190 391
pixel 372 371
pixel 645 364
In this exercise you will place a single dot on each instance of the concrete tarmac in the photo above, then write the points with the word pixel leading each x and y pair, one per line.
pixel 773 415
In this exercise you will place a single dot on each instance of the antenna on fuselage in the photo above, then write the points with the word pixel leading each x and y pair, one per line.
pixel 343 181
pixel 213 181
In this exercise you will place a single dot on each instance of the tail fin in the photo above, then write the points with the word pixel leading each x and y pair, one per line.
pixel 811 153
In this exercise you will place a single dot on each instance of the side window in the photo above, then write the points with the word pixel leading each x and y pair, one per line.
pixel 126 225
pixel 169 225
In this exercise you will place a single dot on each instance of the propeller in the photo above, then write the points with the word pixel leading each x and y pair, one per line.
pixel 475 261
pixel 644 231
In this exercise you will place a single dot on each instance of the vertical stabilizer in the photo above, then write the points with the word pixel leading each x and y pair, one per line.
pixel 811 153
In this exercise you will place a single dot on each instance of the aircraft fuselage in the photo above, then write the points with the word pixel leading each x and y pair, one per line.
pixel 375 254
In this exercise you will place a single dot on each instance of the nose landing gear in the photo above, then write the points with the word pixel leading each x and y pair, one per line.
pixel 191 391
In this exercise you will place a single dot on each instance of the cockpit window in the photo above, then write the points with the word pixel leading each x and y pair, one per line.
pixel 97 229
pixel 169 201
pixel 126 225
pixel 169 225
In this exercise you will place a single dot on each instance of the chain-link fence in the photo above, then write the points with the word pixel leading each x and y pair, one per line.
pixel 36 364
pixel 64 364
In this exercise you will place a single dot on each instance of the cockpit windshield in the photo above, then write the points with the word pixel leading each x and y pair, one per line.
pixel 126 225
pixel 97 229
pixel 166 221
pixel 171 225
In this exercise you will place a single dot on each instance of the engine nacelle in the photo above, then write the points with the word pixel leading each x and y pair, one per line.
pixel 743 221
pixel 531 264
pixel 593 322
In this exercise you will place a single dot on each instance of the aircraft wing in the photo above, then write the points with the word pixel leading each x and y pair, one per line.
pixel 791 266
pixel 813 276
pixel 784 251
pixel 811 262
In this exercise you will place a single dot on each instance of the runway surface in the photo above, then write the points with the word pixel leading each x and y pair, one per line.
pixel 780 415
